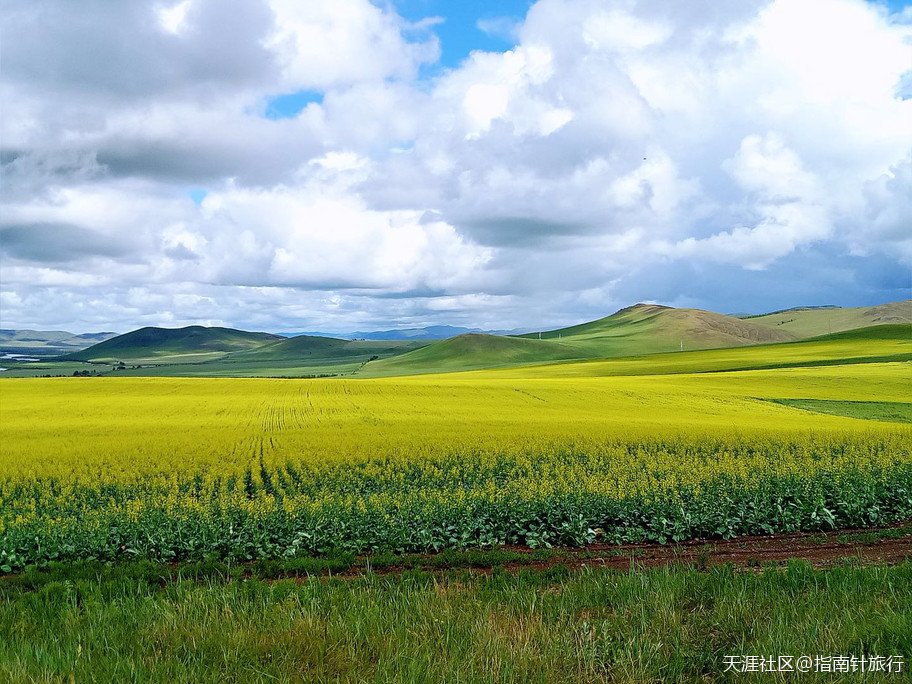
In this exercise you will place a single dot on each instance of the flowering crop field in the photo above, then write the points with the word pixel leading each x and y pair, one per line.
pixel 187 468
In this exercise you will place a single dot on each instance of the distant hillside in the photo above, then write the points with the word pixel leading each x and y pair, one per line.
pixel 639 329
pixel 311 347
pixel 812 321
pixel 474 351
pixel 48 342
pixel 150 342
pixel 651 328
pixel 432 332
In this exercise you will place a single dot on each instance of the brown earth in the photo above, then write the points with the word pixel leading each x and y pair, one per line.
pixel 821 550
pixel 888 545
pixel 882 546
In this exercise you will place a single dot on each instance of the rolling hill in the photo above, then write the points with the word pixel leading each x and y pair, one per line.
pixel 811 321
pixel 311 348
pixel 194 341
pixel 638 330
pixel 225 352
pixel 474 351
pixel 875 344
pixel 651 328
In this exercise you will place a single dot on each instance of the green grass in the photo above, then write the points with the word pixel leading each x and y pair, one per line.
pixel 890 411
pixel 877 344
pixel 649 328
pixel 304 347
pixel 640 329
pixel 142 622
pixel 473 351
pixel 528 357
pixel 303 356
pixel 812 322
pixel 173 344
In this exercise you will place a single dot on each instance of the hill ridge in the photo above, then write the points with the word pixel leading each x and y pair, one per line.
pixel 151 341
pixel 640 329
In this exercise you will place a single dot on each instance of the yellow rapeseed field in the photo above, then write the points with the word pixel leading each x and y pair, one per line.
pixel 182 467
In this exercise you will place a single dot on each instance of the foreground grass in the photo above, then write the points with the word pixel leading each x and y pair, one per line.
pixel 145 622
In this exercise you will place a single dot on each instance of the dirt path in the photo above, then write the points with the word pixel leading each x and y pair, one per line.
pixel 885 545
pixel 890 546
pixel 819 549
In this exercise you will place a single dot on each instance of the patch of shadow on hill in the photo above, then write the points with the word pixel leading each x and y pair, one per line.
pixel 886 411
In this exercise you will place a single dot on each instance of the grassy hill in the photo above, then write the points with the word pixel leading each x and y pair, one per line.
pixel 221 352
pixel 651 328
pixel 194 341
pixel 305 355
pixel 639 329
pixel 636 331
pixel 474 351
pixel 311 346
pixel 808 322
pixel 875 344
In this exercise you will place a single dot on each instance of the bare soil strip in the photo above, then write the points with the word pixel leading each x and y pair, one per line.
pixel 888 545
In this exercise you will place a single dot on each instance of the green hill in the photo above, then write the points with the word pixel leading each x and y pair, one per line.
pixel 875 344
pixel 887 331
pixel 194 342
pixel 651 328
pixel 636 331
pixel 474 351
pixel 642 329
pixel 810 322
pixel 313 349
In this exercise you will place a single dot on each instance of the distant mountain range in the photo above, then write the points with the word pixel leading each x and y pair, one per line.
pixel 48 342
pixel 635 330
pixel 431 332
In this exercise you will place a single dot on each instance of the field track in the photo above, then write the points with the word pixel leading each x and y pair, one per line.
pixel 887 546
pixel 820 549
pixel 882 546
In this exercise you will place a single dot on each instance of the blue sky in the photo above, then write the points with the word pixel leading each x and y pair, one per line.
pixel 459 33
pixel 894 5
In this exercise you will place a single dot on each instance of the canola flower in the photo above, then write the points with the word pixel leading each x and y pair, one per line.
pixel 192 468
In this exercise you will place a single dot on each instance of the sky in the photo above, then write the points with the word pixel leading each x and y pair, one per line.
pixel 293 165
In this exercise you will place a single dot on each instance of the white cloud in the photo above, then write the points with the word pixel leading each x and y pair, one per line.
pixel 505 28
pixel 617 30
pixel 172 18
pixel 615 141
pixel 327 44
pixel 307 238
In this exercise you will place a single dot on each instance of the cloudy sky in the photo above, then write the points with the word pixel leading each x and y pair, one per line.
pixel 306 165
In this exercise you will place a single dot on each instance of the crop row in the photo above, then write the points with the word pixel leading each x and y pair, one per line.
pixel 571 494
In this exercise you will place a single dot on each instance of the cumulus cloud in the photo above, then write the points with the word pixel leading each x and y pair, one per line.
pixel 622 150
pixel 788 201
pixel 319 235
